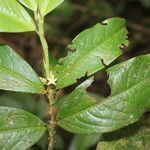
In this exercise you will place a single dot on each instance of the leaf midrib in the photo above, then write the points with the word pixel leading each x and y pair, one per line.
pixel 102 100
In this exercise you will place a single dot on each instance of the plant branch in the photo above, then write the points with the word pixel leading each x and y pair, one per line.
pixel 51 96
pixel 46 54
pixel 41 33
pixel 49 80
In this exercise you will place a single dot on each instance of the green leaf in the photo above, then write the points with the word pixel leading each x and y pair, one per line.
pixel 139 140
pixel 26 102
pixel 84 141
pixel 130 98
pixel 16 74
pixel 45 6
pixel 53 62
pixel 59 142
pixel 18 100
pixel 95 48
pixel 66 11
pixel 31 4
pixel 49 5
pixel 19 129
pixel 14 18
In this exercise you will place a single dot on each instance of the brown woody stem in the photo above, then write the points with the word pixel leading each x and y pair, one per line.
pixel 51 96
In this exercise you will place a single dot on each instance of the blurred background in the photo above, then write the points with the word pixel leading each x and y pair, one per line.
pixel 62 25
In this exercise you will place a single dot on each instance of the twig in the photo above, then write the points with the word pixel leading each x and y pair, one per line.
pixel 49 80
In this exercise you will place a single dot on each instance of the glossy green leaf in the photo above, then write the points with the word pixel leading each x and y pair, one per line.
pixel 130 98
pixel 19 129
pixel 136 141
pixel 45 6
pixel 16 74
pixel 94 48
pixel 84 141
pixel 14 18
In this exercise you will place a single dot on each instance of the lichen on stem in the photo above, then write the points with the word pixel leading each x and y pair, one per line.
pixel 50 81
pixel 51 95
